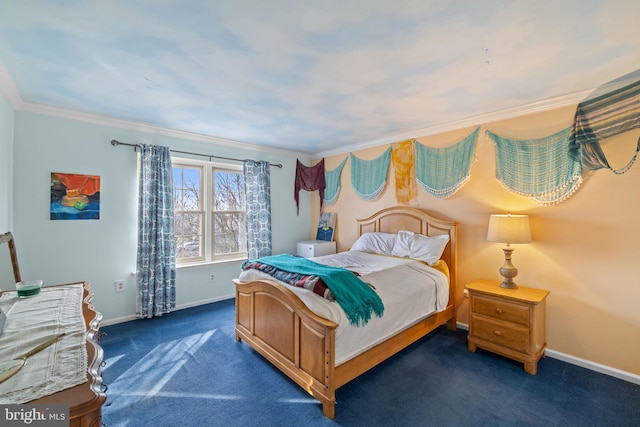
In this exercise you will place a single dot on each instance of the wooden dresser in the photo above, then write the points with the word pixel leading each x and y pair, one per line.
pixel 509 322
pixel 85 400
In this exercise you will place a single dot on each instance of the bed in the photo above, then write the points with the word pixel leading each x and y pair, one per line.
pixel 273 319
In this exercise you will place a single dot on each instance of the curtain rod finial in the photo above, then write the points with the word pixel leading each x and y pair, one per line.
pixel 114 142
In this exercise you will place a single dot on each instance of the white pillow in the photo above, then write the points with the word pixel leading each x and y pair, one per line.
pixel 428 249
pixel 375 242
pixel 402 247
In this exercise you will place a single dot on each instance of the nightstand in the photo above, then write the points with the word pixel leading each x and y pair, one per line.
pixel 509 322
pixel 313 248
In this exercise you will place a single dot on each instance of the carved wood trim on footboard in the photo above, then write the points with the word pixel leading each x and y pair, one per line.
pixel 274 321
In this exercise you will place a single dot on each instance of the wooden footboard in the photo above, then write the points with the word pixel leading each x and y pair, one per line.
pixel 277 324
pixel 274 321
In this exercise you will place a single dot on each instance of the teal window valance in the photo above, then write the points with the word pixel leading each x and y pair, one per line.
pixel 332 179
pixel 368 177
pixel 541 169
pixel 443 171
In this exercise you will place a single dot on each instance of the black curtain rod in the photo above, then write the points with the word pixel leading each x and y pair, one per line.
pixel 210 156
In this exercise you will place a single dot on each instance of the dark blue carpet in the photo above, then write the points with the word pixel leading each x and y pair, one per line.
pixel 186 369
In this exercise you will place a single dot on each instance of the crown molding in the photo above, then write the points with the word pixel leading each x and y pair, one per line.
pixel 9 89
pixel 507 113
pixel 30 107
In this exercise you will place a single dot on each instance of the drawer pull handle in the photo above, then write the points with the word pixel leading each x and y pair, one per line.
pixel 497 333
pixel 498 310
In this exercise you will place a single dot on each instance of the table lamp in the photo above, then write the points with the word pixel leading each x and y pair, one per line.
pixel 509 229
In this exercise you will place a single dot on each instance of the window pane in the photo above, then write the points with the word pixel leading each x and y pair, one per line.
pixel 229 191
pixel 229 233
pixel 188 235
pixel 186 188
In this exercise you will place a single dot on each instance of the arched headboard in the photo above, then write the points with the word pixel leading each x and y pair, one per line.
pixel 396 218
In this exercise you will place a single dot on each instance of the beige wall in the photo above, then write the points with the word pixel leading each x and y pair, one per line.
pixel 586 250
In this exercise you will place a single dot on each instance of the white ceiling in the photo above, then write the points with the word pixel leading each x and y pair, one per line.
pixel 311 76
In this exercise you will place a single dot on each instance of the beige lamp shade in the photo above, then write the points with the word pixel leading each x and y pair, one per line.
pixel 509 229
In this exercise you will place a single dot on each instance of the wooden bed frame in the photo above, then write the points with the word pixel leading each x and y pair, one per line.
pixel 277 324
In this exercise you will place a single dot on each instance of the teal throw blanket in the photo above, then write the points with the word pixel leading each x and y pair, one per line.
pixel 356 298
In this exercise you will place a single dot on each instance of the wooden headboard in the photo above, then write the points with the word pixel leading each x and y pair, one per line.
pixel 394 219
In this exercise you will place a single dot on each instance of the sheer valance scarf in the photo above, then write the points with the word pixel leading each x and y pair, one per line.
pixel 602 117
pixel 332 179
pixel 309 178
pixel 403 159
pixel 443 171
pixel 541 169
pixel 368 177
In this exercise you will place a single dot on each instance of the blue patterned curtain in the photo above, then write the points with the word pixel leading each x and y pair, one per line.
pixel 156 263
pixel 257 184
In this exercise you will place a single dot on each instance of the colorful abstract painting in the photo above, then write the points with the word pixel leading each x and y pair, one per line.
pixel 74 196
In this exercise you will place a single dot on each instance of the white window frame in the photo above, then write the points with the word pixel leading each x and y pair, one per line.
pixel 208 170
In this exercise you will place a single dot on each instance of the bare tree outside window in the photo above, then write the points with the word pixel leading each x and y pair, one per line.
pixel 210 212
pixel 187 184
pixel 229 213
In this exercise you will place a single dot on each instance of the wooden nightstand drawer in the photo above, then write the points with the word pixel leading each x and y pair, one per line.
pixel 500 309
pixel 509 336
pixel 510 322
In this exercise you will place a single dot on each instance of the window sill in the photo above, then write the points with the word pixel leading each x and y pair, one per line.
pixel 196 265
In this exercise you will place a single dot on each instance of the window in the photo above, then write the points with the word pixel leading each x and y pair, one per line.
pixel 189 211
pixel 210 211
pixel 229 213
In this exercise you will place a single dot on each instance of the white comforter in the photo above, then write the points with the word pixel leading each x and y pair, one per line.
pixel 410 291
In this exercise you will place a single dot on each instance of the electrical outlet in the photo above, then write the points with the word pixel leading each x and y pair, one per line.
pixel 212 277
pixel 119 285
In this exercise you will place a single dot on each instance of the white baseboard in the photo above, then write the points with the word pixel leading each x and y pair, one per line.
pixel 117 320
pixel 593 366
pixel 206 301
pixel 597 367
pixel 178 307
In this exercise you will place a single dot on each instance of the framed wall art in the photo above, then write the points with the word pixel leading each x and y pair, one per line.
pixel 74 196
pixel 326 226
